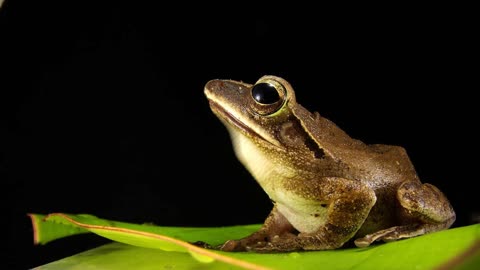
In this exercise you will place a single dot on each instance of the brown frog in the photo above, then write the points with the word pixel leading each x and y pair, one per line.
pixel 327 188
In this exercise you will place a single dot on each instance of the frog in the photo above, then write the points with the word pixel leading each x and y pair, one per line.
pixel 328 190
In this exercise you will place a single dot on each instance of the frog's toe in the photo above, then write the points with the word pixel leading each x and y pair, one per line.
pixel 261 247
pixel 404 232
pixel 392 234
pixel 202 245
pixel 231 245
pixel 368 239
pixel 363 242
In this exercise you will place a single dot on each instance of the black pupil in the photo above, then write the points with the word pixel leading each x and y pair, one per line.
pixel 265 93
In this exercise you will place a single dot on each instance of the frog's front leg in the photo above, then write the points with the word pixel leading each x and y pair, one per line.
pixel 275 226
pixel 347 204
pixel 424 209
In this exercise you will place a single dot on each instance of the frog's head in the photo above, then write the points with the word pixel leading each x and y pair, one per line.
pixel 269 130
pixel 257 111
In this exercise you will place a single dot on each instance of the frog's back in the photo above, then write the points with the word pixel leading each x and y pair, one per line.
pixel 378 165
pixel 391 164
pixel 381 167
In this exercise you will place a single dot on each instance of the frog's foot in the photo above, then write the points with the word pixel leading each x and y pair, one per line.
pixel 275 230
pixel 390 234
pixel 268 244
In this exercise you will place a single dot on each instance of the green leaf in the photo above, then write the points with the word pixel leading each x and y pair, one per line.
pixel 44 232
pixel 170 247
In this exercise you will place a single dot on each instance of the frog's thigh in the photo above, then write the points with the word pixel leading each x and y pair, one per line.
pixel 424 208
pixel 426 203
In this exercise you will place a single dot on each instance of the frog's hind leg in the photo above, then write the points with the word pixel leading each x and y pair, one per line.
pixel 424 209
pixel 390 234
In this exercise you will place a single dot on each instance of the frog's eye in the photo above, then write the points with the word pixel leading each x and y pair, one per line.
pixel 265 93
pixel 269 96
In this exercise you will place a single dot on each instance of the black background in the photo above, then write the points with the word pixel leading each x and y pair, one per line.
pixel 102 108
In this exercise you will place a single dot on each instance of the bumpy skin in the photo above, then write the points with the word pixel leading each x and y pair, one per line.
pixel 327 188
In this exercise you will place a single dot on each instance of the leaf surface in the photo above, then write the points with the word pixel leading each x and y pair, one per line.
pixel 457 248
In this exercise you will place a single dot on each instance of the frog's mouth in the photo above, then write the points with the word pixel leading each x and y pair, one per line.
pixel 224 115
pixel 231 119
